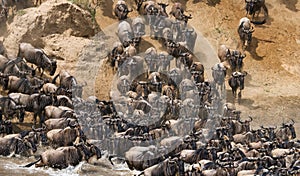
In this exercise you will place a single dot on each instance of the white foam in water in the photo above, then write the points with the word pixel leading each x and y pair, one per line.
pixel 121 167
pixel 69 171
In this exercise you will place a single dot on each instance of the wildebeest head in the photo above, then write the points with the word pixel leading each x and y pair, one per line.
pixel 175 75
pixel 239 78
pixel 138 27
pixel 291 127
pixel 219 73
pixel 155 81
pixel 123 84
pixel 25 147
pixel 94 150
pixel 171 167
pixel 84 150
pixel 150 55
pixel 39 134
pixel 246 124
pixel 245 31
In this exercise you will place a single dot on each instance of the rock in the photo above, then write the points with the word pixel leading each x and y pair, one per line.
pixel 50 20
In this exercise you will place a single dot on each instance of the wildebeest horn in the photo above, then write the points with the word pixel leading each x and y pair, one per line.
pixel 273 127
pixel 250 119
pixel 190 30
pixel 234 74
pixel 293 122
pixel 44 126
pixel 33 128
pixel 239 120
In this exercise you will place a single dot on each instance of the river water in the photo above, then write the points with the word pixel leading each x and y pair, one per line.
pixel 13 166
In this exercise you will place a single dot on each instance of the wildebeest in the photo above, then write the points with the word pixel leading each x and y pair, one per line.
pixel 10 108
pixel 62 157
pixel 224 53
pixel 164 59
pixel 238 59
pixel 33 103
pixel 177 11
pixel 69 82
pixel 123 84
pixel 140 158
pixel 138 27
pixel 228 57
pixel 175 76
pixel 197 71
pixel 193 156
pixel 237 81
pixel 219 74
pixel 6 127
pixel 245 31
pixel 37 57
pixel 125 33
pixel 151 59
pixel 60 123
pixel 15 145
pixel 121 10
pixel 117 55
pixel 2 48
pixel 63 100
pixel 3 18
pixel 239 126
pixel 189 36
pixel 49 88
pixel 254 7
pixel 9 67
pixel 168 167
pixel 65 137
pixel 21 85
pixel 286 132
pixel 53 112
pixel 185 59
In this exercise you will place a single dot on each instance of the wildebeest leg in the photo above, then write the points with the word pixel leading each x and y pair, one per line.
pixel 240 94
pixel 42 72
pixel 42 118
pixel 34 118
pixel 21 116
pixel 0 116
pixel 234 92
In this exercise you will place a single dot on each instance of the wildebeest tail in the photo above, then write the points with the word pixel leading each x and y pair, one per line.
pixel 109 159
pixel 34 162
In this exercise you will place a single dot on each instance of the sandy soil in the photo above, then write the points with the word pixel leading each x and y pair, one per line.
pixel 272 90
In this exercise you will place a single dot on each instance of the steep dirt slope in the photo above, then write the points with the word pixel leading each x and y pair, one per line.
pixel 272 89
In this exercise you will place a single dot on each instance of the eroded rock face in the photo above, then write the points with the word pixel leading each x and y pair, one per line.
pixel 52 18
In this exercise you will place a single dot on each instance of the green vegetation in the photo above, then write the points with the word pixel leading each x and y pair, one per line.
pixel 21 12
pixel 218 30
pixel 86 5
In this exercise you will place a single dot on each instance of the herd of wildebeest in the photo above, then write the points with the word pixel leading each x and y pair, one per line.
pixel 172 118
